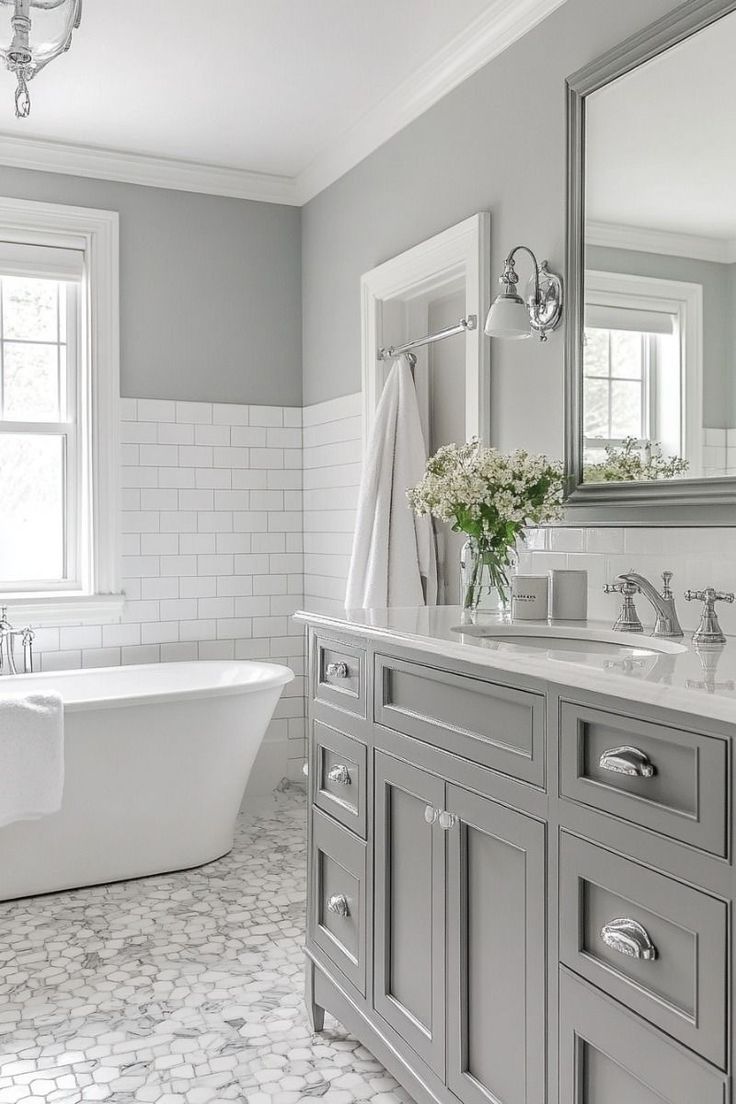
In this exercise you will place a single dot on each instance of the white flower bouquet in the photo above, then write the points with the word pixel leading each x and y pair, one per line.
pixel 491 496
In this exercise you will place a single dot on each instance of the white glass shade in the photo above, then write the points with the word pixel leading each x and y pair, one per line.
pixel 509 318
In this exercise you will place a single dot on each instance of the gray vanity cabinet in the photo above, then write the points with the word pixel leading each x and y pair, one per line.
pixel 608 1056
pixel 496 952
pixel 409 907
pixel 459 933
pixel 498 912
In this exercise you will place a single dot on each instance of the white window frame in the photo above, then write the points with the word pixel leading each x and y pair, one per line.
pixel 684 301
pixel 98 596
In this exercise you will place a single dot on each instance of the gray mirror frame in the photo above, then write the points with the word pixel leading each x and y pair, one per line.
pixel 684 502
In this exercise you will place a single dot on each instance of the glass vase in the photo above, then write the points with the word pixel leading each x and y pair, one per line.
pixel 486 571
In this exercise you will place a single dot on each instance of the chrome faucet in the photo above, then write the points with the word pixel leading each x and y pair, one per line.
pixel 667 622
pixel 7 651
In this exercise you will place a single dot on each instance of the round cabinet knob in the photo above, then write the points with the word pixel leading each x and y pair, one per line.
pixel 430 814
pixel 447 820
pixel 338 670
pixel 339 905
pixel 339 774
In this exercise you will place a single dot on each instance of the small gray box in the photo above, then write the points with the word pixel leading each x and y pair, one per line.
pixel 568 595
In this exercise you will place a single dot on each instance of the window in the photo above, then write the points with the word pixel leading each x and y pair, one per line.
pixel 40 442
pixel 642 365
pixel 58 412
pixel 627 377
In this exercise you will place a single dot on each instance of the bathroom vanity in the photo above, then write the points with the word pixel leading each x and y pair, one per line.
pixel 521 859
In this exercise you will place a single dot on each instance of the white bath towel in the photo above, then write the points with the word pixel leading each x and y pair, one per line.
pixel 31 756
pixel 394 561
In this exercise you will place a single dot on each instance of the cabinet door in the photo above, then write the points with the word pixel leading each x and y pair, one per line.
pixel 496 953
pixel 609 1056
pixel 409 863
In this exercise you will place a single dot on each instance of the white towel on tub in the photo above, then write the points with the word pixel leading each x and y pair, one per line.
pixel 31 756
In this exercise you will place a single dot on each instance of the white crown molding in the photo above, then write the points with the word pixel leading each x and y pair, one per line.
pixel 642 240
pixel 153 172
pixel 497 28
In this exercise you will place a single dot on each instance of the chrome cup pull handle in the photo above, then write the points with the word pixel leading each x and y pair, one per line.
pixel 338 670
pixel 339 905
pixel 628 937
pixel 339 774
pixel 627 760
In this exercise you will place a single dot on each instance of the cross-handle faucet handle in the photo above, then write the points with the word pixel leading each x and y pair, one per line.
pixel 710 596
pixel 666 588
pixel 628 618
pixel 709 631
pixel 623 587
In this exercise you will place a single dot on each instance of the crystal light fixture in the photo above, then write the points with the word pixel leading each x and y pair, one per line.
pixel 51 24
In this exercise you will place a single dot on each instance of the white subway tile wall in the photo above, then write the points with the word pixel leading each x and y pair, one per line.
pixel 212 548
pixel 332 467
pixel 698 558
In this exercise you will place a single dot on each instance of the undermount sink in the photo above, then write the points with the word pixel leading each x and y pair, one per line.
pixel 569 640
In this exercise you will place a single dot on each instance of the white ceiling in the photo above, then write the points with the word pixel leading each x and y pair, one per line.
pixel 257 86
pixel 661 141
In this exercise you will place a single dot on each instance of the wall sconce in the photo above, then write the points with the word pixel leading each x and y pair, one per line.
pixel 511 317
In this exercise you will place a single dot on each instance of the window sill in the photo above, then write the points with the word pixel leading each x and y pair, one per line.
pixel 40 610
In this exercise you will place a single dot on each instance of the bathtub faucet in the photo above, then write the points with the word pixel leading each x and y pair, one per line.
pixel 7 641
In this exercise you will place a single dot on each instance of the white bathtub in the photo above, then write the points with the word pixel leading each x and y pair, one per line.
pixel 157 758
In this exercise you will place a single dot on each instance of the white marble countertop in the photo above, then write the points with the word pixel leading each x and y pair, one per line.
pixel 700 681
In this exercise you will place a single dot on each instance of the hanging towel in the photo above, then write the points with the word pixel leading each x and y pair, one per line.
pixel 394 561
pixel 31 756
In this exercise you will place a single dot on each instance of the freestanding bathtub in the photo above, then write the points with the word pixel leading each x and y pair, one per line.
pixel 157 758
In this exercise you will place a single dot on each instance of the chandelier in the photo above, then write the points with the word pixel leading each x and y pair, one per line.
pixel 52 23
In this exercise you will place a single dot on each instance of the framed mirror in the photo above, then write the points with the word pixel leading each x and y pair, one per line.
pixel 651 276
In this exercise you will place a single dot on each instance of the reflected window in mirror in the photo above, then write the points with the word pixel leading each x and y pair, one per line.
pixel 635 379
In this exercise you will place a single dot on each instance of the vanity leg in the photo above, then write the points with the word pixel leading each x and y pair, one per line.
pixel 315 1014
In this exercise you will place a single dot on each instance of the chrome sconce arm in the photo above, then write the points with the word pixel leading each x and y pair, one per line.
pixel 511 316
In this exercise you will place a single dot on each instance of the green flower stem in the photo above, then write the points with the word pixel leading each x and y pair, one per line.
pixel 497 562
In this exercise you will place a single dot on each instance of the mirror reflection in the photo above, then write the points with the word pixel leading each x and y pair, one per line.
pixel 659 343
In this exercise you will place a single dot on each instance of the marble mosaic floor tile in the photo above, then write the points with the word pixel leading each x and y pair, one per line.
pixel 179 989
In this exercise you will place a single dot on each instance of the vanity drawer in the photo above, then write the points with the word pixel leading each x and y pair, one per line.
pixel 496 726
pixel 338 675
pixel 337 905
pixel 610 1056
pixel 678 782
pixel 671 965
pixel 338 771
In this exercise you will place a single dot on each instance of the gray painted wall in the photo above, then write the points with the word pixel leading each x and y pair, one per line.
pixel 496 143
pixel 718 283
pixel 210 289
